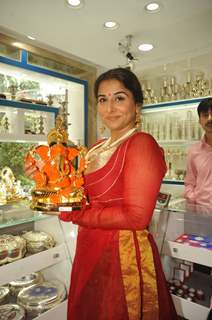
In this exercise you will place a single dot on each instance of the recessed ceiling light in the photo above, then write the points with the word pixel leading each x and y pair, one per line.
pixel 152 7
pixel 17 44
pixel 145 47
pixel 75 3
pixel 111 25
pixel 31 38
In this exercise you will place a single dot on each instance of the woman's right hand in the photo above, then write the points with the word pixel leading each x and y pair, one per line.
pixel 30 169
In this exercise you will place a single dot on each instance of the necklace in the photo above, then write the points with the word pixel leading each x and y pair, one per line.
pixel 106 145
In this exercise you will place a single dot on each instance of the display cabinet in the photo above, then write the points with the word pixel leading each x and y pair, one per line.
pixel 184 237
pixel 31 95
pixel 175 126
pixel 27 122
pixel 54 263
pixel 30 98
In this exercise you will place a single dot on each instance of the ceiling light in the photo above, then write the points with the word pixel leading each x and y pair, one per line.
pixel 111 25
pixel 31 38
pixel 75 3
pixel 17 44
pixel 152 7
pixel 145 47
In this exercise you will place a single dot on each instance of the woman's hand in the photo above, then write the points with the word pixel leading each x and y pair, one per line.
pixel 29 171
pixel 32 168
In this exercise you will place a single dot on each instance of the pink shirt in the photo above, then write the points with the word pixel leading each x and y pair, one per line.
pixel 198 180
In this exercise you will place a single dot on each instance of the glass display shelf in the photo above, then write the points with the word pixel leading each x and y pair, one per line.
pixel 183 206
pixel 200 280
pixel 53 263
pixel 20 121
pixel 175 103
pixel 18 213
pixel 175 126
pixel 183 233
pixel 39 93
pixel 181 143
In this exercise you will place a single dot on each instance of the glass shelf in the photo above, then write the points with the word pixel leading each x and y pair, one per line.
pixel 200 280
pixel 175 103
pixel 20 121
pixel 50 87
pixel 183 234
pixel 169 181
pixel 175 126
pixel 183 206
pixel 18 213
pixel 181 143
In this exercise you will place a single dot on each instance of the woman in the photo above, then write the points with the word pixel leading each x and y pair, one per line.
pixel 117 273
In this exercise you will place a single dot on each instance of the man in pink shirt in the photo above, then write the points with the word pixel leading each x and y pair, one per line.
pixel 198 180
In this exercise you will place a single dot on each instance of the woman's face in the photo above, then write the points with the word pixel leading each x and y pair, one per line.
pixel 116 106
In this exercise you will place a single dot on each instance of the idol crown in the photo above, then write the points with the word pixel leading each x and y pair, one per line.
pixel 58 134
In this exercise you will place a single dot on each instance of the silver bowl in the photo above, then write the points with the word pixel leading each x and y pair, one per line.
pixel 16 286
pixel 37 241
pixel 11 248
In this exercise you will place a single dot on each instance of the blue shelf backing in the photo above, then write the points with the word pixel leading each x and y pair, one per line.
pixel 29 106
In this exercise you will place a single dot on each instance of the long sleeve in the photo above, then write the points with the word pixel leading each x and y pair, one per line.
pixel 190 178
pixel 143 172
pixel 65 216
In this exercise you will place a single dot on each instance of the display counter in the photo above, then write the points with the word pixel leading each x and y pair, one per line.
pixel 183 233
pixel 47 255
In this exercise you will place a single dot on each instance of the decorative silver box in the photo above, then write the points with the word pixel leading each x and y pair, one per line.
pixel 12 312
pixel 41 297
pixel 38 241
pixel 24 282
pixel 11 248
pixel 4 292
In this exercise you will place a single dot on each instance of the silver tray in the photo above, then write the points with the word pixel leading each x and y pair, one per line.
pixel 41 297
pixel 24 282
pixel 12 312
pixel 37 241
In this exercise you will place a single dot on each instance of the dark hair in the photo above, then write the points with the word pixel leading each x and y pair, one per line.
pixel 125 76
pixel 204 106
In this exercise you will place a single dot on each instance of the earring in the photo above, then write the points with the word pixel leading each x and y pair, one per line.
pixel 102 129
pixel 137 119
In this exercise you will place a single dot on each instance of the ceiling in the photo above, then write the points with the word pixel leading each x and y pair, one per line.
pixel 179 32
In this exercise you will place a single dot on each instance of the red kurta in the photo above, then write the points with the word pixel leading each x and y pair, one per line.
pixel 117 273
